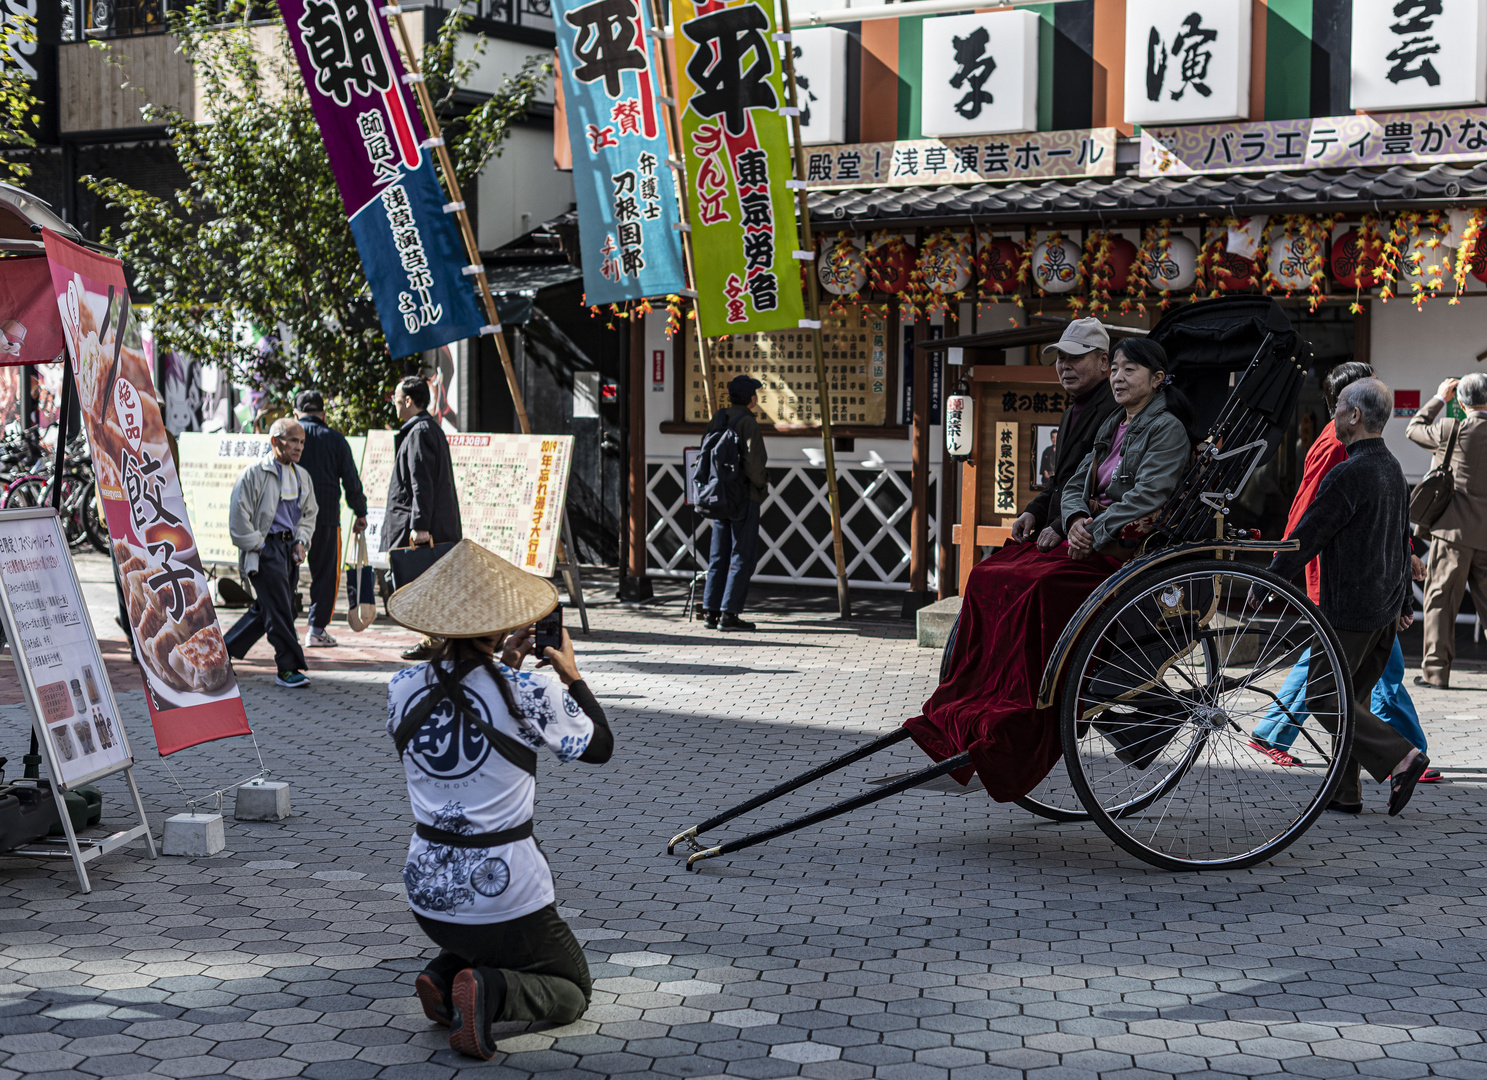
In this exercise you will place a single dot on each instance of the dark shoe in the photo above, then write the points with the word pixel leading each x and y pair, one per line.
pixel 418 652
pixel 1345 807
pixel 433 997
pixel 1430 685
pixel 295 680
pixel 1403 786
pixel 710 619
pixel 470 1026
pixel 730 621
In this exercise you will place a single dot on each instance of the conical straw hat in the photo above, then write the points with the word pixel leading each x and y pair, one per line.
pixel 472 592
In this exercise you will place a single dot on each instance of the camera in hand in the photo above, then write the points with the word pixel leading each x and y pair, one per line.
pixel 549 632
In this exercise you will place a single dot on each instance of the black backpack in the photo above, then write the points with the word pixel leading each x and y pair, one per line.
pixel 722 490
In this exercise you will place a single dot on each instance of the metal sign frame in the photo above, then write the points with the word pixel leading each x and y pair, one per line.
pixel 80 851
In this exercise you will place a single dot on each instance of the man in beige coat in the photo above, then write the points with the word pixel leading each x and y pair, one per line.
pixel 1458 550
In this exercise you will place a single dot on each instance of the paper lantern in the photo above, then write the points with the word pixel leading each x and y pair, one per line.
pixel 943 266
pixel 843 268
pixel 1120 256
pixel 1288 261
pixel 1479 259
pixel 996 266
pixel 1352 267
pixel 1238 273
pixel 1174 269
pixel 1055 267
pixel 889 264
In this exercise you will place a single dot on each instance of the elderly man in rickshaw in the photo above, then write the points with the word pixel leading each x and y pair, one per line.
pixel 1018 601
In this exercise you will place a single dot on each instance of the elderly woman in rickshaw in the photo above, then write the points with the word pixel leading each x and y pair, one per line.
pixel 1018 601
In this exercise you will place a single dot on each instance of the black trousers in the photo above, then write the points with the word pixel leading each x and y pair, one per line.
pixel 547 977
pixel 272 612
pixel 325 571
pixel 1377 747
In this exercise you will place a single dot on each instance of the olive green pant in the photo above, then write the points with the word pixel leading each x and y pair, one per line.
pixel 545 973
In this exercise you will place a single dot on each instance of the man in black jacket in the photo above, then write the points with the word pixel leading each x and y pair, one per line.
pixel 327 458
pixel 1082 358
pixel 1359 524
pixel 422 506
pixel 730 565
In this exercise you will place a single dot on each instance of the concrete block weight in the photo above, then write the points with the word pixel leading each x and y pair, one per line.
pixel 934 622
pixel 194 834
pixel 261 800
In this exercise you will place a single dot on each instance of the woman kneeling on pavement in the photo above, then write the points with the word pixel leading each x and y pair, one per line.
pixel 468 726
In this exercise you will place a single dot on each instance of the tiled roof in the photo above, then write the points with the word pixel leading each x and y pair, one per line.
pixel 1131 197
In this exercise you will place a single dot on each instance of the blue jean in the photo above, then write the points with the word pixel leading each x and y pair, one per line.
pixel 731 565
pixel 1390 701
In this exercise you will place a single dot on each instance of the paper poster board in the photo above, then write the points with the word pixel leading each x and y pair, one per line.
pixel 210 465
pixel 511 490
pixel 1027 413
pixel 57 657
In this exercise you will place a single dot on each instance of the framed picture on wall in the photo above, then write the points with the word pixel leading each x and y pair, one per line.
pixel 1045 449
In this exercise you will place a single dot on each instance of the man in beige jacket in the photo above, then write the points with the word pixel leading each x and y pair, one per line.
pixel 1458 549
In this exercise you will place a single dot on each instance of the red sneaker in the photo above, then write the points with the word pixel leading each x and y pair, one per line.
pixel 1274 753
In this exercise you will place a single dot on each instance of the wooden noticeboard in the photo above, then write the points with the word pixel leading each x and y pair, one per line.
pixel 1011 404
pixel 857 350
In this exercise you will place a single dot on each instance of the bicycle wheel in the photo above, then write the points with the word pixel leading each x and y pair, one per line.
pixel 94 525
pixel 25 491
pixel 1160 697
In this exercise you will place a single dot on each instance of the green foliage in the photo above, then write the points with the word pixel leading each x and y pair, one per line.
pixel 257 242
pixel 18 104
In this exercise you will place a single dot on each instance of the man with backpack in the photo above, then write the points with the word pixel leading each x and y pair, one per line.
pixel 731 485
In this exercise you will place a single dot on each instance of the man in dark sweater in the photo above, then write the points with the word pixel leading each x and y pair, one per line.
pixel 327 458
pixel 1359 524
pixel 730 565
pixel 1082 358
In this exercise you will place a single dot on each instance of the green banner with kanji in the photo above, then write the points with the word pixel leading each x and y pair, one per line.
pixel 738 163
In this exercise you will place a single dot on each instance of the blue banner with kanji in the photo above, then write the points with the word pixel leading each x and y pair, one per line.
pixel 410 248
pixel 626 196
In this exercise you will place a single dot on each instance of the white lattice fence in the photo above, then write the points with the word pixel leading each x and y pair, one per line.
pixel 795 526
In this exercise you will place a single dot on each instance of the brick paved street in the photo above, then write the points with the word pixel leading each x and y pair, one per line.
pixel 933 935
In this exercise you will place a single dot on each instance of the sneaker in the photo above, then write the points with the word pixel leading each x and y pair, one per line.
pixel 469 1024
pixel 295 680
pixel 319 638
pixel 733 622
pixel 710 619
pixel 434 998
pixel 1274 753
pixel 418 652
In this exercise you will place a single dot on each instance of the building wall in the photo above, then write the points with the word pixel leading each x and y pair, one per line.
pixel 1415 350
pixel 520 190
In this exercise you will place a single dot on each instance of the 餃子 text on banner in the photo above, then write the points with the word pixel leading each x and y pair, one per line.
pixel 626 196
pixel 193 695
pixel 410 249
pixel 738 163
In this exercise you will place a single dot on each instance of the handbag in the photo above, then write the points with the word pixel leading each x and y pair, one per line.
pixel 409 562
pixel 361 593
pixel 1433 493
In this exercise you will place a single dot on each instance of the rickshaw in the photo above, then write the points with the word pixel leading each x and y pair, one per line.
pixel 1161 675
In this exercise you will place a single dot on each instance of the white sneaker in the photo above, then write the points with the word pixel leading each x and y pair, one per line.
pixel 319 639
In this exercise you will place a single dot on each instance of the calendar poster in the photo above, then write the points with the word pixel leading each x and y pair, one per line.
pixel 856 347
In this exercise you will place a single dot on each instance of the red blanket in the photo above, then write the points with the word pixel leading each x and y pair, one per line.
pixel 1017 603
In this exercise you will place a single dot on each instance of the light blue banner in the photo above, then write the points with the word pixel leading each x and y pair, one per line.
pixel 626 196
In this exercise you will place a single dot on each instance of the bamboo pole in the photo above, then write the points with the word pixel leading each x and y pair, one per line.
pixel 457 198
pixel 813 306
pixel 666 84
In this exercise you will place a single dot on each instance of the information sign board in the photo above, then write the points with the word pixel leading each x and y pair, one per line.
pixel 57 656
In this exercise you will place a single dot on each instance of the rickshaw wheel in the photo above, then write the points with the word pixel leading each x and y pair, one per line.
pixel 1160 696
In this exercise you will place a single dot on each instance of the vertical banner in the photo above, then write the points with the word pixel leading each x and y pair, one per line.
pixel 626 196
pixel 410 248
pixel 736 146
pixel 29 330
pixel 1005 482
pixel 192 693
